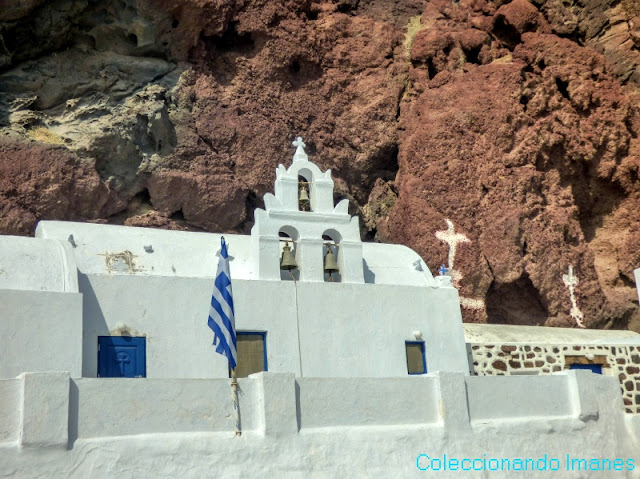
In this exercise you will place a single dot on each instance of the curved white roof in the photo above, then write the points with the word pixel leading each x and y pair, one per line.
pixel 113 250
pixel 37 264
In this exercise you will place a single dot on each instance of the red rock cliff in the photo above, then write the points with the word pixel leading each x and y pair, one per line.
pixel 511 125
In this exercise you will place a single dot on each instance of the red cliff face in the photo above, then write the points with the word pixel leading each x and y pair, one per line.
pixel 515 121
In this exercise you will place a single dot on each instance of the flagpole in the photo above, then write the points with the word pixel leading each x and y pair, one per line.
pixel 234 394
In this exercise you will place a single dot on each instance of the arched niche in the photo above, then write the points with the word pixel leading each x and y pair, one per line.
pixel 288 234
pixel 334 238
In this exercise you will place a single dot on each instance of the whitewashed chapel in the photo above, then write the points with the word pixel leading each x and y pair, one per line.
pixel 359 356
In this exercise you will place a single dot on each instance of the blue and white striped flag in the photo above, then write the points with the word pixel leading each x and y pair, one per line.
pixel 221 319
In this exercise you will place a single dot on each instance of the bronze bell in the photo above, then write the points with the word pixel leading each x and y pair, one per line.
pixel 288 261
pixel 330 263
pixel 304 198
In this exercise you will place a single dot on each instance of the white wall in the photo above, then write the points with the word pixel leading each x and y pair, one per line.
pixel 367 401
pixel 340 330
pixel 10 403
pixel 521 396
pixel 115 406
pixel 170 428
pixel 40 331
pixel 360 330
pixel 172 314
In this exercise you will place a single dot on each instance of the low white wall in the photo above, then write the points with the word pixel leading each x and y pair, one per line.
pixel 493 397
pixel 326 427
pixel 40 331
pixel 103 407
pixel 367 402
pixel 10 399
pixel 115 407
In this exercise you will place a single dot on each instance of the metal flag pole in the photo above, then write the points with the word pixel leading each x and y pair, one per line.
pixel 236 405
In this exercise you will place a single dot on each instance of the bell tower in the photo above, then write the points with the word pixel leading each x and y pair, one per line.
pixel 302 212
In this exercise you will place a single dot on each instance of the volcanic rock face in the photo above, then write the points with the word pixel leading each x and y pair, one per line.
pixel 509 128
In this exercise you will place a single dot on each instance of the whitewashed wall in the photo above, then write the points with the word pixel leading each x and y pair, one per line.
pixel 169 428
pixel 40 331
pixel 158 284
pixel 342 329
pixel 10 403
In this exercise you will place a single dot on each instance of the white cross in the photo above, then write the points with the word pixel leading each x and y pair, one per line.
pixel 452 238
pixel 571 281
pixel 300 153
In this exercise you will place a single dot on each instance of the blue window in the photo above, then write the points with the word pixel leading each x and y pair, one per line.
pixel 252 352
pixel 594 368
pixel 122 357
pixel 416 362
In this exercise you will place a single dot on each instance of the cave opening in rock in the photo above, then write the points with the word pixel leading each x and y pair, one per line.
pixel 518 302
pixel 506 33
pixel 143 197
pixel 232 40
pixel 133 39
pixel 177 215
pixel 294 67
pixel 432 71
pixel 563 88
pixel 472 55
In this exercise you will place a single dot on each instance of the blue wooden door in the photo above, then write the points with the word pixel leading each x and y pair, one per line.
pixel 594 368
pixel 121 357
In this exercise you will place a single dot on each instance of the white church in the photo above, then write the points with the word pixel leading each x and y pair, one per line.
pixel 353 359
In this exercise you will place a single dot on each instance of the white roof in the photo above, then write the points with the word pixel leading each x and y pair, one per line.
pixel 37 264
pixel 105 249
pixel 501 333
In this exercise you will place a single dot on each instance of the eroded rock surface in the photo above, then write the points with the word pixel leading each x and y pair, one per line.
pixel 516 121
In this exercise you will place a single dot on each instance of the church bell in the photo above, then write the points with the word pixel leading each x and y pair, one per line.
pixel 303 199
pixel 288 261
pixel 330 263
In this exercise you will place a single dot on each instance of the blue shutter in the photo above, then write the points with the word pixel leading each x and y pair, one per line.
pixel 121 357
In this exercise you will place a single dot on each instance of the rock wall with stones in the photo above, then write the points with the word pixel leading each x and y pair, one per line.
pixel 514 121
pixel 622 362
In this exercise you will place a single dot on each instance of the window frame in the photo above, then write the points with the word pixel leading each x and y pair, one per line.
pixel 264 343
pixel 424 357
pixel 587 367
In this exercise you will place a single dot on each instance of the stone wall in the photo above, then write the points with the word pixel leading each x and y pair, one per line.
pixel 622 362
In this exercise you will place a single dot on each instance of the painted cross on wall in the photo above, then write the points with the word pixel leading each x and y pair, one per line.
pixel 571 281
pixel 453 239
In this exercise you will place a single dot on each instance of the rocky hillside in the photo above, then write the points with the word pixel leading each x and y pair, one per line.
pixel 500 137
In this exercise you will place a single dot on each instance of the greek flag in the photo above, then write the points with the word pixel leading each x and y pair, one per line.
pixel 221 319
